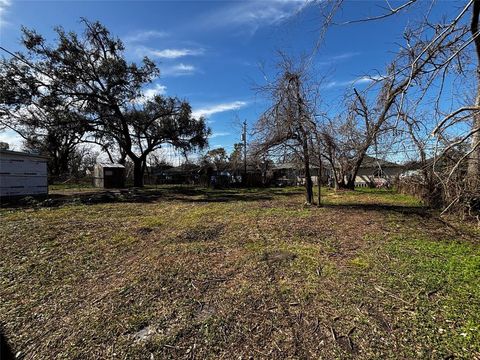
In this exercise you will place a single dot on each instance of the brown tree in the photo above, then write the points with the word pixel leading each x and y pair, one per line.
pixel 288 123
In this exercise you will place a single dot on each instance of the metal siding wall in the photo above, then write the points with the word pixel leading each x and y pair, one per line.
pixel 98 176
pixel 22 175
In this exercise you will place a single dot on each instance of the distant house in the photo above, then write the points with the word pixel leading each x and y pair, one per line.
pixel 208 175
pixel 377 172
pixel 286 174
pixel 183 174
pixel 22 174
pixel 372 172
pixel 109 176
pixel 291 174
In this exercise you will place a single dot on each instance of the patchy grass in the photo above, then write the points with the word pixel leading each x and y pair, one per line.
pixel 367 196
pixel 71 186
pixel 181 272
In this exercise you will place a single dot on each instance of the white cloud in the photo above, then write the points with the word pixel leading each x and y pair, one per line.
pixel 360 80
pixel 364 80
pixel 150 93
pixel 219 134
pixel 4 4
pixel 141 36
pixel 158 89
pixel 178 70
pixel 218 108
pixel 14 140
pixel 368 79
pixel 330 60
pixel 343 56
pixel 253 14
pixel 168 53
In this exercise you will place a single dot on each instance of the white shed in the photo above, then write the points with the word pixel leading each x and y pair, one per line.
pixel 109 175
pixel 22 174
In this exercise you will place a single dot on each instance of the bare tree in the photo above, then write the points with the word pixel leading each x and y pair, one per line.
pixel 288 124
pixel 474 161
pixel 435 55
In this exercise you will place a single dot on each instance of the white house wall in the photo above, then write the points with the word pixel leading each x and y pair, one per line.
pixel 365 175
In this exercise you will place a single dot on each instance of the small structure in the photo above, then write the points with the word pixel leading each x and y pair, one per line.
pixel 22 174
pixel 109 176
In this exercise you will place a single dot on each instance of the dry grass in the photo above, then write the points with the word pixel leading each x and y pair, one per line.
pixel 192 273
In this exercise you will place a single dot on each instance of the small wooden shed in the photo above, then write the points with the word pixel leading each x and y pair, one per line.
pixel 109 176
pixel 22 174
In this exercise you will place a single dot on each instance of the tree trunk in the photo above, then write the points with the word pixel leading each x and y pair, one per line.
pixel 347 182
pixel 123 157
pixel 319 180
pixel 335 175
pixel 53 166
pixel 351 181
pixel 308 184
pixel 348 185
pixel 474 159
pixel 308 177
pixel 339 178
pixel 138 170
pixel 63 164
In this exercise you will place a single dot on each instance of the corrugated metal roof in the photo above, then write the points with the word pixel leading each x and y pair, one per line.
pixel 109 165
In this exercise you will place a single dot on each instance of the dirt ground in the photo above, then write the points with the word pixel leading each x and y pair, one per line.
pixel 190 273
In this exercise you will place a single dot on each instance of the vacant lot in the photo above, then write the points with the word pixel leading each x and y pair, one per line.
pixel 191 273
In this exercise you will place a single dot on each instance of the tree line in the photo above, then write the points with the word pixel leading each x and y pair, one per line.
pixel 81 89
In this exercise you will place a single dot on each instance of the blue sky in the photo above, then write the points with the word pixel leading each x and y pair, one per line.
pixel 211 52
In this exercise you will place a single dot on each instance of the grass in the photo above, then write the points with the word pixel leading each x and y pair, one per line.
pixel 181 272
pixel 71 186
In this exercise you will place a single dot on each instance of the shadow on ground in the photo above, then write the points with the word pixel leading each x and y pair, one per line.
pixel 424 215
pixel 149 195
pixel 403 209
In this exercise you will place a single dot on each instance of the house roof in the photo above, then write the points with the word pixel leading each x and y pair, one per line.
pixel 287 165
pixel 186 168
pixel 372 162
pixel 369 162
pixel 21 153
pixel 290 165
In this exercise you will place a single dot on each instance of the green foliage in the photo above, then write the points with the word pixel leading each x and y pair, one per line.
pixel 90 74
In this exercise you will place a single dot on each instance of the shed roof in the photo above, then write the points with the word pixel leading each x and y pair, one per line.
pixel 22 153
pixel 108 165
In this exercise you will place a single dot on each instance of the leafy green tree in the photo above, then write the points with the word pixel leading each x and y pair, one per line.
pixel 218 158
pixel 236 158
pixel 90 73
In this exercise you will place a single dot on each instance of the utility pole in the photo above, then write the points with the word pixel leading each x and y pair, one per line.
pixel 244 139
